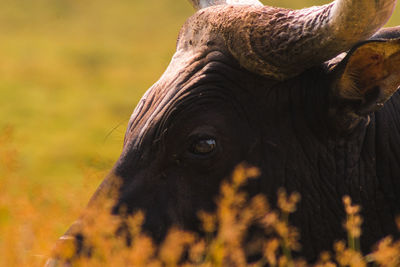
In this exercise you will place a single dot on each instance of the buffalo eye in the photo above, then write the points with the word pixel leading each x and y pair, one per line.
pixel 203 146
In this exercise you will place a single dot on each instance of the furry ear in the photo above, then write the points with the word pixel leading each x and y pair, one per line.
pixel 364 80
pixel 368 76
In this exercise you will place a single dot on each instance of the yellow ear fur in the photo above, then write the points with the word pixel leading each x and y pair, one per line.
pixel 371 70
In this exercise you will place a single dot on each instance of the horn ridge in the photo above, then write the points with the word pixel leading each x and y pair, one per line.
pixel 281 43
pixel 200 4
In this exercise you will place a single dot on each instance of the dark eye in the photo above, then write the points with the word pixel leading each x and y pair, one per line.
pixel 203 146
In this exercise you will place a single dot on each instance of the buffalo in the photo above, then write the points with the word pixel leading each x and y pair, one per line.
pixel 308 96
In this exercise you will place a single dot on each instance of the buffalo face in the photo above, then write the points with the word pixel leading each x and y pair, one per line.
pixel 270 87
pixel 177 152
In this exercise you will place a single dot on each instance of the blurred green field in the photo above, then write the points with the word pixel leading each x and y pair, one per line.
pixel 71 73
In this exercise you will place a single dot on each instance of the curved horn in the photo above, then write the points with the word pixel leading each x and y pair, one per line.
pixel 281 43
pixel 199 4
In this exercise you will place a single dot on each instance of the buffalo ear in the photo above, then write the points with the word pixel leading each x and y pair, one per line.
pixel 363 81
pixel 366 78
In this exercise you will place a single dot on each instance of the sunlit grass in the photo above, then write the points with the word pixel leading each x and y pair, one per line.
pixel 71 73
pixel 224 242
pixel 31 220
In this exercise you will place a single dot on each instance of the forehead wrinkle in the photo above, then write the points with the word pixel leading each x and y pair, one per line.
pixel 177 73
pixel 213 69
pixel 217 80
pixel 158 96
pixel 205 98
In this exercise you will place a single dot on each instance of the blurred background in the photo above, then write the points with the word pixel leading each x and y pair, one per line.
pixel 71 73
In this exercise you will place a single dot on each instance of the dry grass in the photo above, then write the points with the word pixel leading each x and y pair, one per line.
pixel 30 223
pixel 223 243
pixel 70 74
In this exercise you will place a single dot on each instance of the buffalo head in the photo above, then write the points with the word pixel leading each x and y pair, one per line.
pixel 308 96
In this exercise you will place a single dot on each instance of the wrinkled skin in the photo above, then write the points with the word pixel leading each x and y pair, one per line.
pixel 307 134
pixel 284 128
